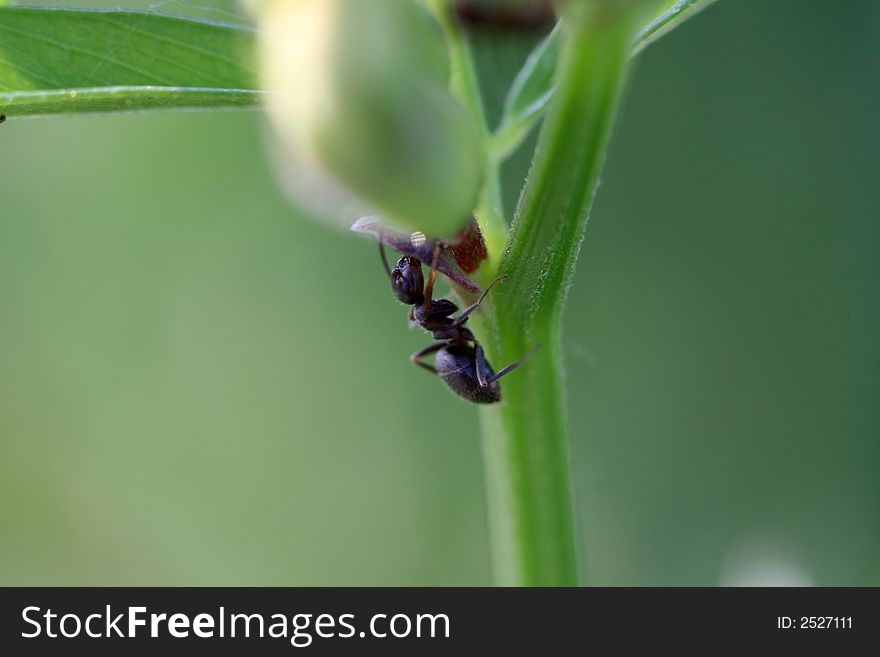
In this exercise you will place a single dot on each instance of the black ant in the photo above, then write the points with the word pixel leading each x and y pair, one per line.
pixel 459 359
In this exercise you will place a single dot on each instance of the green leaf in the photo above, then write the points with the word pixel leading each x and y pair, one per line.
pixel 61 61
pixel 533 87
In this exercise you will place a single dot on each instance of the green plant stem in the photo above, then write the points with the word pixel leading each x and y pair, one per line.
pixel 525 442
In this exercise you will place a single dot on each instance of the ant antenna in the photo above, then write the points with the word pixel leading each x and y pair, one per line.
pixel 513 366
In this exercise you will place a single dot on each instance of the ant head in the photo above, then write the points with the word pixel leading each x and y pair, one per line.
pixel 407 281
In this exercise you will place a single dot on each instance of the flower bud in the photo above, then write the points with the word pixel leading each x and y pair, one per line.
pixel 360 91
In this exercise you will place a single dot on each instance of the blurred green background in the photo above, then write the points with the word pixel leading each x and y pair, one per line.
pixel 200 386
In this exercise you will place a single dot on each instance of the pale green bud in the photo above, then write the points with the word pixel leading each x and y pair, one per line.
pixel 359 89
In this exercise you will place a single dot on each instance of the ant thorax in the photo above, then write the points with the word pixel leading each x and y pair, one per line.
pixel 438 309
pixel 437 320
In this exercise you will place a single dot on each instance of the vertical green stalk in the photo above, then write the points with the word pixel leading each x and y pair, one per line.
pixel 525 442
pixel 465 86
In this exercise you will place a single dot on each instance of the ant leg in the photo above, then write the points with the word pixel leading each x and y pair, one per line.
pixel 416 358
pixel 432 276
pixel 484 375
pixel 384 259
pixel 483 371
pixel 476 304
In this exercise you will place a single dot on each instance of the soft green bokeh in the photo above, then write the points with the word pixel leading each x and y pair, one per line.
pixel 199 386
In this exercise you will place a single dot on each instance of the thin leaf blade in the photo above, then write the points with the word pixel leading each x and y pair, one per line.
pixel 529 94
pixel 674 15
pixel 533 87
pixel 62 61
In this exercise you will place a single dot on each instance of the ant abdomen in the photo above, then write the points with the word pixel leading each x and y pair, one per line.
pixel 456 365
